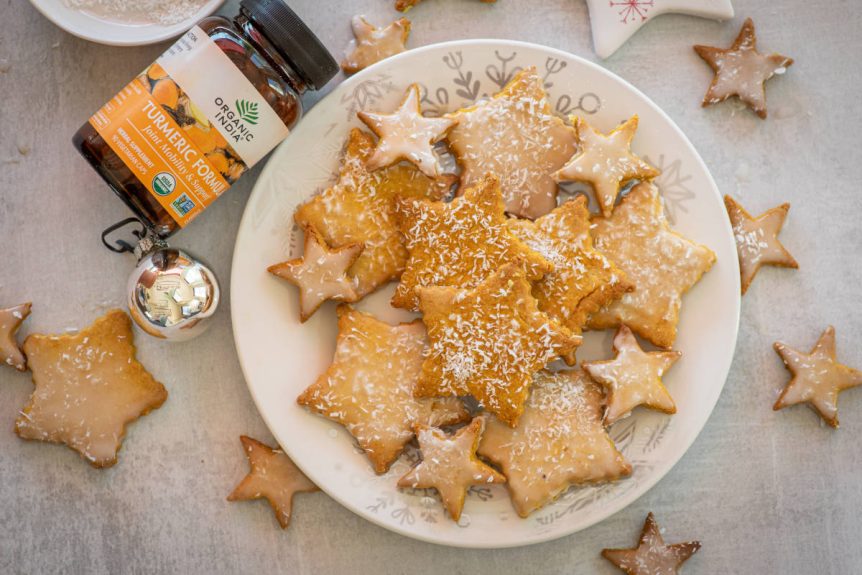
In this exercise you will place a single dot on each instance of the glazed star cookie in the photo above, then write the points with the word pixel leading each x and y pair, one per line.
pixel 661 264
pixel 741 70
pixel 89 387
pixel 450 465
pixel 488 342
pixel 515 136
pixel 272 476
pixel 371 44
pixel 559 442
pixel 633 377
pixel 320 274
pixel 757 239
pixel 369 386
pixel 583 279
pixel 459 243
pixel 407 135
pixel 358 210
pixel 817 377
pixel 605 161
pixel 11 319
pixel 652 556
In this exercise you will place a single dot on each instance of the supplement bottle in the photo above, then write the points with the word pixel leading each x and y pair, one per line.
pixel 188 126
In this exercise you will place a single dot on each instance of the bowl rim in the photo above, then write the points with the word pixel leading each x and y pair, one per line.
pixel 146 33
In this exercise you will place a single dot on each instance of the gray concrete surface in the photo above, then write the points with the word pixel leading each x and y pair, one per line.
pixel 765 492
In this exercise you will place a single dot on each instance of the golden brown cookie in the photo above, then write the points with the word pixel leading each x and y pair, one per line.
pixel 652 556
pixel 583 279
pixel 516 137
pixel 11 319
pixel 369 386
pixel 406 134
pixel 358 210
pixel 450 465
pixel 817 377
pixel 633 377
pixel 741 70
pixel 320 274
pixel 757 239
pixel 89 387
pixel 661 264
pixel 559 442
pixel 488 342
pixel 606 162
pixel 459 243
pixel 271 476
pixel 371 44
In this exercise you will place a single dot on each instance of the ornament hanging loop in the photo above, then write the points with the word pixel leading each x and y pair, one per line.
pixel 120 245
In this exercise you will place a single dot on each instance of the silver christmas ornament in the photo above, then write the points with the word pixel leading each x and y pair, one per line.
pixel 172 295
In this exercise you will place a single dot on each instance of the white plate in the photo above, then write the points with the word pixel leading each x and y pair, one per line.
pixel 113 32
pixel 280 356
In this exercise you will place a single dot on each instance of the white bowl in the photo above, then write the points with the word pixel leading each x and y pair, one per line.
pixel 113 32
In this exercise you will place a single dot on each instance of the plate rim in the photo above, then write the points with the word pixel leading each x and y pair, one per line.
pixel 159 32
pixel 665 467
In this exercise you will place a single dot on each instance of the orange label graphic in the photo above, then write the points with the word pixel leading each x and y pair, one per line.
pixel 182 177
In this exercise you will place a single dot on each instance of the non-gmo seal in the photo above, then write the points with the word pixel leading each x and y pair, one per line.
pixel 164 183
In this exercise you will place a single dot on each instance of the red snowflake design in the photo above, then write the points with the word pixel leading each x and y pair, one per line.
pixel 631 9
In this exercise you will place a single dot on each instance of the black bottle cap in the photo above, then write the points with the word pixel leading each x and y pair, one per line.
pixel 297 44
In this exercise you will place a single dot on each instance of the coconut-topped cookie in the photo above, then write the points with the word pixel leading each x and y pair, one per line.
pixel 515 136
pixel 369 388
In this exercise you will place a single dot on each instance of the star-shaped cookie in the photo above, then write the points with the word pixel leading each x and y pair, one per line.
pixel 633 377
pixel 89 387
pixel 605 161
pixel 372 44
pixel 320 274
pixel 11 319
pixel 757 239
pixel 559 442
pixel 459 243
pixel 583 279
pixel 817 377
pixel 488 342
pixel 516 137
pixel 652 556
pixel 272 476
pixel 661 264
pixel 741 70
pixel 369 386
pixel 450 465
pixel 358 210
pixel 406 134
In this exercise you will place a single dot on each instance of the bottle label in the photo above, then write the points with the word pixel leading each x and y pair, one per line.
pixel 189 125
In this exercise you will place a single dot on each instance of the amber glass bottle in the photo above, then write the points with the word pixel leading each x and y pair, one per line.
pixel 207 110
